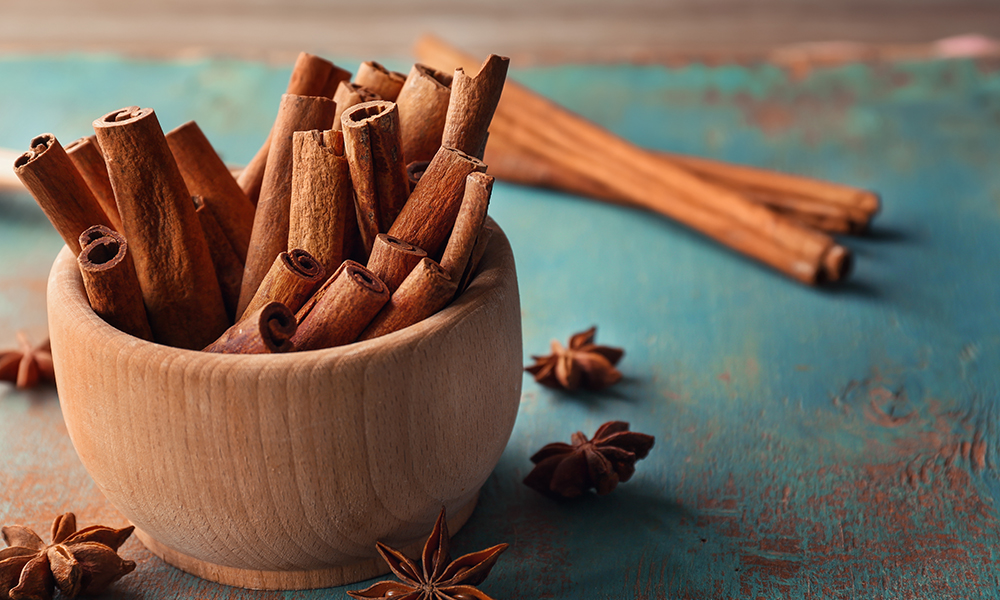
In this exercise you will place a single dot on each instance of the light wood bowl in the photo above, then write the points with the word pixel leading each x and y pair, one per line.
pixel 282 471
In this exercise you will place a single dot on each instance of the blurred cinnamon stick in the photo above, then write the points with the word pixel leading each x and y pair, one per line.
pixel 228 266
pixel 311 76
pixel 423 109
pixel 387 84
pixel 86 155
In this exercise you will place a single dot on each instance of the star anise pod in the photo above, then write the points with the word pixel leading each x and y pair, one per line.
pixel 601 463
pixel 438 577
pixel 584 364
pixel 27 365
pixel 81 562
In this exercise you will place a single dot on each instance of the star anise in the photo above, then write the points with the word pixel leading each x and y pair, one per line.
pixel 584 364
pixel 601 463
pixel 27 365
pixel 81 562
pixel 438 578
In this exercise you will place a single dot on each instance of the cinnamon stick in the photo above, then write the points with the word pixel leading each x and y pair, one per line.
pixel 208 177
pixel 392 260
pixel 311 76
pixel 347 95
pixel 227 263
pixel 111 283
pixel 89 161
pixel 322 202
pixel 341 309
pixel 471 216
pixel 291 280
pixel 270 226
pixel 638 178
pixel 48 173
pixel 172 259
pixel 387 84
pixel 429 214
pixel 268 330
pixel 473 101
pixel 482 241
pixel 94 233
pixel 372 143
pixel 423 108
pixel 427 289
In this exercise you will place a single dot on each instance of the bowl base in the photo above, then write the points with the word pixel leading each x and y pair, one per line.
pixel 291 580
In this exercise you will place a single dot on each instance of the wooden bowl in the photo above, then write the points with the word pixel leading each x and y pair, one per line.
pixel 282 471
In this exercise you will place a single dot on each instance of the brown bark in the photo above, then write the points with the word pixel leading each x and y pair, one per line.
pixel 387 84
pixel 341 309
pixel 372 144
pixel 474 99
pixel 392 260
pixel 111 283
pixel 172 259
pixel 228 266
pixel 291 280
pixel 270 226
pixel 423 107
pixel 427 289
pixel 414 171
pixel 348 95
pixel 89 161
pixel 468 224
pixel 207 176
pixel 48 173
pixel 429 214
pixel 268 330
pixel 311 76
pixel 482 241
pixel 322 203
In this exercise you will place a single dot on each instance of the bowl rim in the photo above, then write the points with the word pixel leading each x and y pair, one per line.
pixel 496 264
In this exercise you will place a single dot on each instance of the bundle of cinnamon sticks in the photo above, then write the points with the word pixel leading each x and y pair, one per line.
pixel 325 238
pixel 782 220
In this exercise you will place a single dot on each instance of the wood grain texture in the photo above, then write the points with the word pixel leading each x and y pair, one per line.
pixel 381 434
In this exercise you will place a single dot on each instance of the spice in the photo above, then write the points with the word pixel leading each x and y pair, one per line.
pixel 584 364
pixel 438 578
pixel 26 366
pixel 81 562
pixel 601 463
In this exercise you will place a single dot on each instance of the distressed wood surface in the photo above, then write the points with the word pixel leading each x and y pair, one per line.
pixel 811 443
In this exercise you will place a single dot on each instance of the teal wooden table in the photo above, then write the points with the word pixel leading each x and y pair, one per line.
pixel 810 443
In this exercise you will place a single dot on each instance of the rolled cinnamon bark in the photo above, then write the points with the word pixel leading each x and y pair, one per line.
pixel 392 260
pixel 172 259
pixel 429 214
pixel 468 224
pixel 89 161
pixel 311 76
pixel 482 241
pixel 228 266
pixel 341 309
pixel 270 225
pixel 347 95
pixel 62 193
pixel 111 283
pixel 414 171
pixel 207 176
pixel 291 280
pixel 372 144
pixel 427 289
pixel 94 233
pixel 423 107
pixel 268 330
pixel 474 99
pixel 387 84
pixel 322 203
